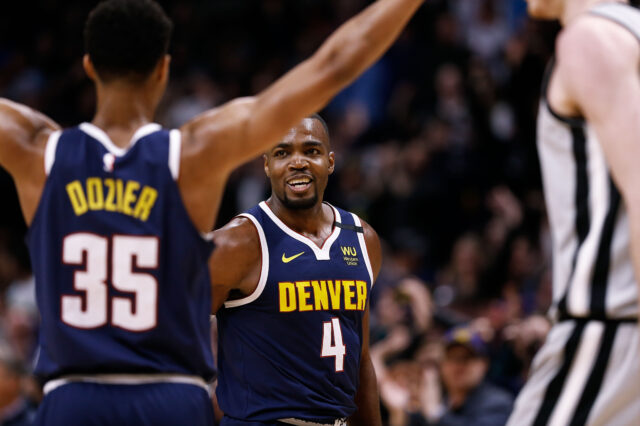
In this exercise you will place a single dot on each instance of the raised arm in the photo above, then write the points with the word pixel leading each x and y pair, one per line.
pixel 598 69
pixel 217 141
pixel 23 136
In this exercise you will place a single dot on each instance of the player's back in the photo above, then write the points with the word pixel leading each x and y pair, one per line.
pixel 121 278
pixel 593 272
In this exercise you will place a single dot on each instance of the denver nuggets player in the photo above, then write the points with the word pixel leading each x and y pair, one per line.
pixel 294 274
pixel 588 371
pixel 117 209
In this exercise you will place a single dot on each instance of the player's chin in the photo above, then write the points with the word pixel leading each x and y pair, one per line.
pixel 297 201
pixel 540 9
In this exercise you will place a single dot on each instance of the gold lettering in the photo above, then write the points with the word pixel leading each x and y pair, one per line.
pixel 111 195
pixel 119 195
pixel 77 198
pixel 145 203
pixel 287 297
pixel 361 287
pixel 303 295
pixel 95 196
pixel 320 295
pixel 348 295
pixel 130 196
pixel 334 292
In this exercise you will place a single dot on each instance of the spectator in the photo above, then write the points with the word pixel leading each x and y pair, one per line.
pixel 467 399
pixel 15 408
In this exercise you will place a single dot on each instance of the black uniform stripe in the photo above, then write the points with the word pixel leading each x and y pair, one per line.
pixel 601 269
pixel 596 377
pixel 554 389
pixel 582 219
pixel 354 228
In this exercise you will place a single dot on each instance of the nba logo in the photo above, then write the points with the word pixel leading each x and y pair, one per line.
pixel 108 161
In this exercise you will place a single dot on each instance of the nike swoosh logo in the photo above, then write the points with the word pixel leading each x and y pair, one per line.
pixel 286 259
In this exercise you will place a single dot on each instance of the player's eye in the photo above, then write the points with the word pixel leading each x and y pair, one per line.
pixel 280 153
pixel 313 151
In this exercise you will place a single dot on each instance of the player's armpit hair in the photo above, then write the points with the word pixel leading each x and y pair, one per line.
pixel 127 38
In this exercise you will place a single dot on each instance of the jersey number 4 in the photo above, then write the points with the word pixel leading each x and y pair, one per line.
pixel 129 254
pixel 332 332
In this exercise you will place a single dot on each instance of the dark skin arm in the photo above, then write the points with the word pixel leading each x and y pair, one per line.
pixel 367 398
pixel 219 140
pixel 236 261
pixel 23 138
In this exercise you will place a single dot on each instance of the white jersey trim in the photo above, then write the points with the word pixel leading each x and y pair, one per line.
pixel 322 253
pixel 363 247
pixel 100 135
pixel 175 143
pixel 50 151
pixel 578 375
pixel 264 271
pixel 126 379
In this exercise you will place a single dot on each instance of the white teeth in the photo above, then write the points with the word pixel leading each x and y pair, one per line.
pixel 302 181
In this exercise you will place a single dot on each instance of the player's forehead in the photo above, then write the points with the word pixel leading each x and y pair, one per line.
pixel 308 129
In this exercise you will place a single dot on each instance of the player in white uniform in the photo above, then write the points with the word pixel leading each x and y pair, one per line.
pixel 588 371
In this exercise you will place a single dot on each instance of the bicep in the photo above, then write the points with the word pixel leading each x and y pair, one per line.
pixel 21 143
pixel 234 261
pixel 599 69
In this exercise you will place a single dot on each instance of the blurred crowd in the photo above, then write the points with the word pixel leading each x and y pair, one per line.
pixel 435 147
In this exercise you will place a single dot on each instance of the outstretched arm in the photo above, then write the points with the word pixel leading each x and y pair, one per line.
pixel 23 137
pixel 217 141
pixel 598 69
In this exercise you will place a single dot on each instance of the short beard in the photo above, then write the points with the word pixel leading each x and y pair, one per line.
pixel 303 204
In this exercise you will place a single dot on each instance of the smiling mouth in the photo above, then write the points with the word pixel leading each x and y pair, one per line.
pixel 299 184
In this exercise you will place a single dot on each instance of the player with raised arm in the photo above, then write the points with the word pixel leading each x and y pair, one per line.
pixel 117 209
pixel 588 370
pixel 291 281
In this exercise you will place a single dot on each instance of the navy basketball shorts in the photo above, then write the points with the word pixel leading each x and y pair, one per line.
pixel 155 404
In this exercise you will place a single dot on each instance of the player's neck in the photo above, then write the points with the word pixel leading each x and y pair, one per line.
pixel 311 221
pixel 574 8
pixel 123 107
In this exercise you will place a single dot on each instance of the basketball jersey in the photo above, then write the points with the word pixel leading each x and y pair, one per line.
pixel 121 272
pixel 592 268
pixel 292 348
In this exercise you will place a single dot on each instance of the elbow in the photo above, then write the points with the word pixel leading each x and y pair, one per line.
pixel 343 64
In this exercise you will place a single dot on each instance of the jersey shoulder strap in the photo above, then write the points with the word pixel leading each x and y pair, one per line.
pixel 623 14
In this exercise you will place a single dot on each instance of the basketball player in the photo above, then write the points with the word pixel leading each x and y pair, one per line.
pixel 117 209
pixel 294 274
pixel 588 371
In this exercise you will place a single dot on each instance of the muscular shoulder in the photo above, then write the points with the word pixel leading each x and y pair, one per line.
pixel 591 44
pixel 373 247
pixel 239 236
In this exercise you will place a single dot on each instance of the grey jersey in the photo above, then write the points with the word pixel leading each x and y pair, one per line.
pixel 592 269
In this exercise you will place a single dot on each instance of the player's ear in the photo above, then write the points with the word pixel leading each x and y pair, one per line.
pixel 89 68
pixel 332 162
pixel 162 69
pixel 266 165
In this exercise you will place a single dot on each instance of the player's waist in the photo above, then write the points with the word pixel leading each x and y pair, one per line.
pixel 125 379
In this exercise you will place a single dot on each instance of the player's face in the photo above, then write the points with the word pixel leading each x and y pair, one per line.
pixel 300 165
pixel 545 9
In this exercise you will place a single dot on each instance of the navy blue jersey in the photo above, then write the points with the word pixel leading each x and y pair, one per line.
pixel 292 348
pixel 121 272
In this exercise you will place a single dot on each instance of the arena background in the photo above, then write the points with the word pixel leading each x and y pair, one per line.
pixel 435 147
